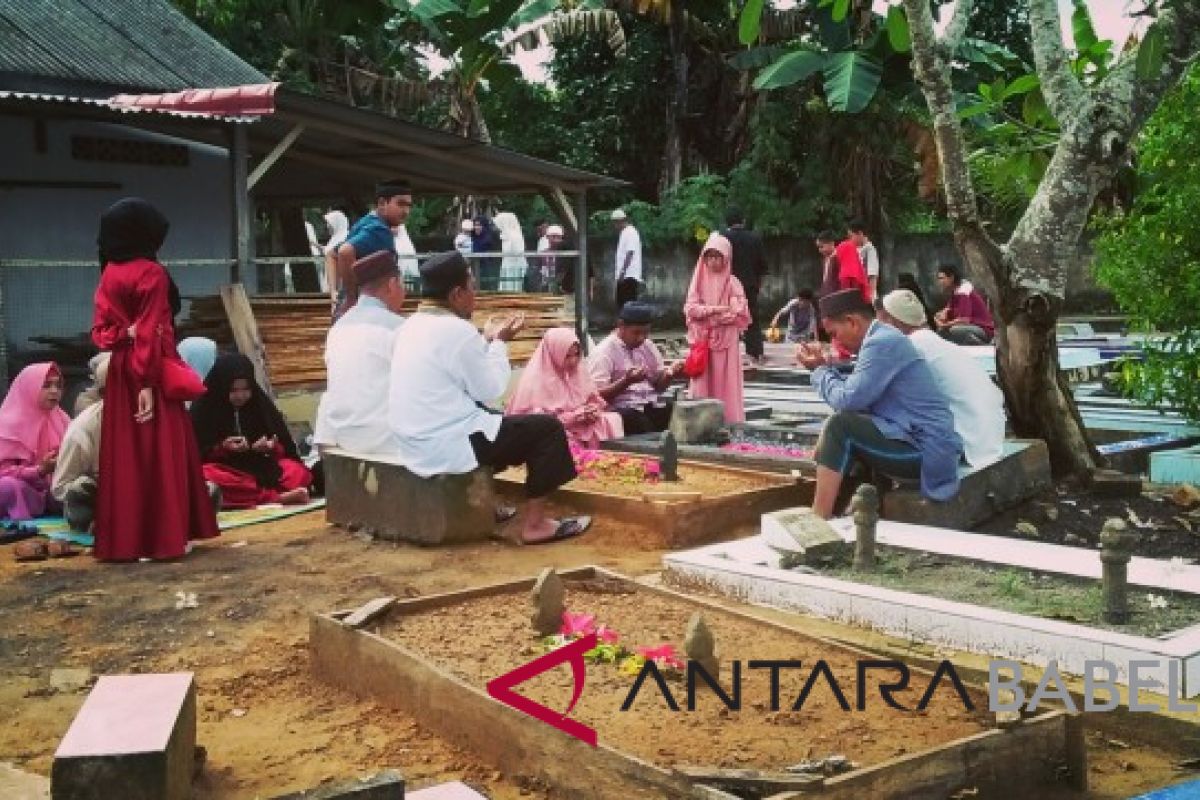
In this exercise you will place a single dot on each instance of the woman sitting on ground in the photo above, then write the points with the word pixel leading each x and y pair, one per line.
pixel 244 442
pixel 31 431
pixel 555 382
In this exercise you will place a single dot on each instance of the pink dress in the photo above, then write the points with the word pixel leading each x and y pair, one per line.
pixel 546 387
pixel 708 293
pixel 28 433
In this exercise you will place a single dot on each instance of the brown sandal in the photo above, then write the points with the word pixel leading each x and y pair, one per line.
pixel 57 549
pixel 33 550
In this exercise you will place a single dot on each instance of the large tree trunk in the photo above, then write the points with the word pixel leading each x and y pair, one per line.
pixel 465 117
pixel 677 105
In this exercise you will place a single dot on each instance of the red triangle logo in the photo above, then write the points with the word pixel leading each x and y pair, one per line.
pixel 500 688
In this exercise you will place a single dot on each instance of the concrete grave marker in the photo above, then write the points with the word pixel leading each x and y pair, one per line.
pixel 134 738
pixel 549 601
pixel 800 533
pixel 697 421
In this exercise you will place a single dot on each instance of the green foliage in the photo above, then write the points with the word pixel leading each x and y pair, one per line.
pixel 1150 258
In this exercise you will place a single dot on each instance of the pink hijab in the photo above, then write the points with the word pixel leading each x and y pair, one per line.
pixel 713 289
pixel 27 431
pixel 546 386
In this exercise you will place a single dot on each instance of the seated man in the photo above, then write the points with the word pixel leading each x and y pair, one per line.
pixel 630 375
pixel 890 413
pixel 443 370
pixel 78 465
pixel 975 401
pixel 966 318
pixel 358 360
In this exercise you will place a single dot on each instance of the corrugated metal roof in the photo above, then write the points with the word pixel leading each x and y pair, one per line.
pixel 105 108
pixel 141 45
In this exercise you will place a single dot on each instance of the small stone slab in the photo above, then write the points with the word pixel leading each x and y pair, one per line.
pixel 447 791
pixel 697 421
pixel 700 646
pixel 134 738
pixel 801 532
pixel 69 679
pixel 548 597
pixel 387 785
pixel 369 611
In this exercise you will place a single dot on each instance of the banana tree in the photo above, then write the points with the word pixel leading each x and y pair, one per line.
pixel 478 37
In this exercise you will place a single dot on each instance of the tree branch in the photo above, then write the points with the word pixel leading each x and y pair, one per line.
pixel 1180 25
pixel 956 30
pixel 1063 92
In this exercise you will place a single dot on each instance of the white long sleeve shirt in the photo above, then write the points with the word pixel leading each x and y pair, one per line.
pixel 79 453
pixel 442 369
pixel 975 402
pixel 352 414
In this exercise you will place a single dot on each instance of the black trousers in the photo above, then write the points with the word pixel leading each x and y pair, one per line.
pixel 754 335
pixel 627 291
pixel 536 440
pixel 647 419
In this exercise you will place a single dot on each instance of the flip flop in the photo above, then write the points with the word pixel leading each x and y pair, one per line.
pixel 504 514
pixel 56 549
pixel 568 528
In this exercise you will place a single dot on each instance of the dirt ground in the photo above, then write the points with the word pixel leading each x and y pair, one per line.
pixel 268 726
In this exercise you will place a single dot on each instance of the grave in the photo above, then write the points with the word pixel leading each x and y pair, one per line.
pixel 433 657
pixel 1022 472
pixel 134 738
pixel 928 591
pixel 1176 466
pixel 708 502
pixel 378 494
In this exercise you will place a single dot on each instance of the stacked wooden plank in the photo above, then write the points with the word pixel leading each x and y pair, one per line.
pixel 293 329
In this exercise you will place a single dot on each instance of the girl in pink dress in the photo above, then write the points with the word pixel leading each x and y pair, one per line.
pixel 555 382
pixel 716 311
pixel 31 430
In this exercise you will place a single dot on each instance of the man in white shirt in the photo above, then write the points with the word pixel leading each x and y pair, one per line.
pixel 78 465
pixel 867 254
pixel 975 401
pixel 407 252
pixel 628 260
pixel 358 357
pixel 443 371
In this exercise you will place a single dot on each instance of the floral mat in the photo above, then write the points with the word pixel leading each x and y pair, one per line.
pixel 56 527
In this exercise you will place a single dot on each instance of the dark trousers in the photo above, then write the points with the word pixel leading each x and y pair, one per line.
pixel 647 419
pixel 536 440
pixel 627 291
pixel 754 336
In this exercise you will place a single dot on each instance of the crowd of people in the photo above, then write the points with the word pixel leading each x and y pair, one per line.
pixel 197 426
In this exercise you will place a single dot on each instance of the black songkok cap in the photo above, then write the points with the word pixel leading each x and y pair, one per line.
pixel 636 313
pixel 441 273
pixel 393 187
pixel 847 301
pixel 377 265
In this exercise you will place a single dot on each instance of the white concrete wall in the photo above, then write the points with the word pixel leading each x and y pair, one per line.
pixel 61 224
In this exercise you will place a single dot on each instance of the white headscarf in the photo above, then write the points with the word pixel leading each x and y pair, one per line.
pixel 339 227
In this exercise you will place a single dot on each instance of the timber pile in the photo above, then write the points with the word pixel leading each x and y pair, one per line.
pixel 293 329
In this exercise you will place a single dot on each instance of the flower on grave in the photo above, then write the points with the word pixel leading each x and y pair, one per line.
pixel 576 626
pixel 606 634
pixel 653 470
pixel 631 665
pixel 663 656
pixel 1157 601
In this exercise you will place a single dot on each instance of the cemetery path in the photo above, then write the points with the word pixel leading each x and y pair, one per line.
pixel 268 726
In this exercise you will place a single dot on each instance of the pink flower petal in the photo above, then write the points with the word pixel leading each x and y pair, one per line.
pixel 577 624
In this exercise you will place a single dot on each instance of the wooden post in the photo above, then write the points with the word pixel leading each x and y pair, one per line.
pixel 581 273
pixel 245 332
pixel 243 225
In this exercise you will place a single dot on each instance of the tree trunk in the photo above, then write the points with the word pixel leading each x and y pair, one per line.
pixel 465 117
pixel 677 105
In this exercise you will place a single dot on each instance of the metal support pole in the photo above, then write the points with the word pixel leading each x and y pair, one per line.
pixel 243 227
pixel 581 272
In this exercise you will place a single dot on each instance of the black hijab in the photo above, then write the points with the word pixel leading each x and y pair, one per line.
pixel 133 228
pixel 215 420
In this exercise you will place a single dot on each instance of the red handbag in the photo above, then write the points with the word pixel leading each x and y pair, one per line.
pixel 179 381
pixel 696 363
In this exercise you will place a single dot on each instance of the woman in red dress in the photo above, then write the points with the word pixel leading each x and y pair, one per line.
pixel 246 446
pixel 152 498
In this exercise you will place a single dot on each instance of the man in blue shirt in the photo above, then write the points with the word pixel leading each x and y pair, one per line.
pixel 371 234
pixel 889 413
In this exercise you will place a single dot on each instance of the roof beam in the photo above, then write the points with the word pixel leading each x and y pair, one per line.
pixel 270 158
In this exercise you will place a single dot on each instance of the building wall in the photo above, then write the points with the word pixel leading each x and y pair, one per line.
pixel 61 223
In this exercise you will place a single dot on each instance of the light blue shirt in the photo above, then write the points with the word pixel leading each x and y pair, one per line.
pixel 893 385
